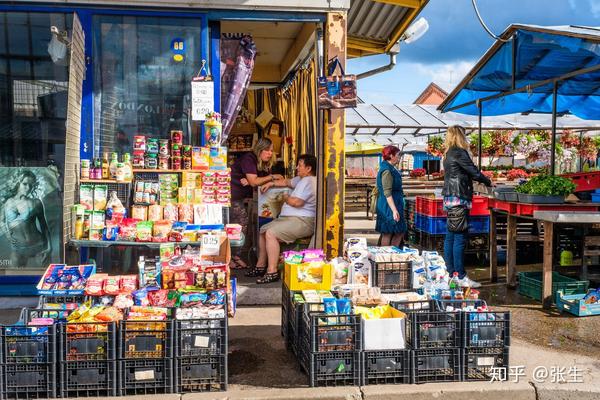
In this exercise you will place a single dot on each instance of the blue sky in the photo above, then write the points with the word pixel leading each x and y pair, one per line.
pixel 455 41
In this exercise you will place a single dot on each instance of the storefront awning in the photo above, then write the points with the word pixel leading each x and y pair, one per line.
pixel 390 123
pixel 374 26
pixel 521 71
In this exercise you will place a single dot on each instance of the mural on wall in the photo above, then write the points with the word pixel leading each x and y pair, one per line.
pixel 30 217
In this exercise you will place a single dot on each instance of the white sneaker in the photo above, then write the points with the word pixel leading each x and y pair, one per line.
pixel 467 282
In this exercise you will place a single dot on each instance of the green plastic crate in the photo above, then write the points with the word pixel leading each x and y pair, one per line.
pixel 530 285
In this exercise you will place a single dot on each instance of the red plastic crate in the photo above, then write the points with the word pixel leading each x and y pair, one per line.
pixel 528 209
pixel 585 180
pixel 480 206
pixel 435 207
pixel 509 207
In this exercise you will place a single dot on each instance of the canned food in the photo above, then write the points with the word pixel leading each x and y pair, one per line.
pixel 175 150
pixel 152 146
pixel 187 162
pixel 176 163
pixel 187 150
pixel 177 137
pixel 163 147
pixel 138 160
pixel 139 143
pixel 85 169
pixel 163 162
pixel 151 161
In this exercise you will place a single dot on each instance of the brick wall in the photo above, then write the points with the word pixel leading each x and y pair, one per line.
pixel 76 77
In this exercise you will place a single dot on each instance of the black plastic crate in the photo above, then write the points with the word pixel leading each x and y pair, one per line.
pixel 28 381
pixel 146 376
pixel 448 305
pixel 80 299
pixel 417 306
pixel 59 316
pixel 486 329
pixel 94 341
pixel 479 363
pixel 145 339
pixel 334 368
pixel 201 374
pixel 386 367
pixel 436 365
pixel 285 312
pixel 431 242
pixel 426 330
pixel 393 276
pixel 324 332
pixel 28 344
pixel 201 337
pixel 296 326
pixel 88 378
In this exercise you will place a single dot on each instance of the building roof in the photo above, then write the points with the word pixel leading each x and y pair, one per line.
pixel 519 71
pixel 432 88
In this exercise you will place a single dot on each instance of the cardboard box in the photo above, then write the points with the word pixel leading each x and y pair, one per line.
pixel 224 253
pixel 387 333
pixel 293 283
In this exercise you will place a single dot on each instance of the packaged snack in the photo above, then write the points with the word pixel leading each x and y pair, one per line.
pixel 163 298
pixel 128 230
pixel 144 231
pixel 344 306
pixel 234 231
pixel 218 157
pixel 139 212
pixel 129 283
pixel 293 257
pixel 311 255
pixel 114 204
pixel 100 197
pixel 163 147
pixel 223 178
pixel 171 212
pixel 123 301
pixel 330 306
pixel 176 233
pixel 186 213
pixel 109 314
pixel 209 178
pixel 112 285
pixel 359 243
pixel 155 212
pixel 200 158
pixel 161 230
pixel 163 162
pixel 97 220
pixel 152 146
pixel 216 297
pixel 223 196
pixel 86 196
pixel 150 270
pixel 95 285
pixel 361 266
pixel 140 297
pixel 340 270
pixel 110 231
pixel 190 234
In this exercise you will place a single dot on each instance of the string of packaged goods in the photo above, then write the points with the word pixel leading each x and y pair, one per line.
pixel 385 315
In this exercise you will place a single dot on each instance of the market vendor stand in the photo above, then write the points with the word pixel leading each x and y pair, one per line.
pixel 548 215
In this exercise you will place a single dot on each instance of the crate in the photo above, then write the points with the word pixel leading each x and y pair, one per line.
pixel 435 207
pixel 507 206
pixel 585 180
pixel 575 305
pixel 386 367
pixel 530 285
pixel 146 376
pixel 44 300
pixel 145 339
pixel 324 332
pixel 28 381
pixel 479 206
pixel 437 225
pixel 431 242
pixel 436 365
pixel 392 276
pixel 334 368
pixel 28 344
pixel 87 341
pixel 201 337
pixel 529 209
pixel 416 306
pixel 201 374
pixel 449 305
pixel 58 315
pixel 478 364
pixel 486 329
pixel 88 378
pixel 433 330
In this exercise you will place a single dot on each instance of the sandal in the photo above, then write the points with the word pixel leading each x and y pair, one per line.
pixel 268 278
pixel 256 272
pixel 237 263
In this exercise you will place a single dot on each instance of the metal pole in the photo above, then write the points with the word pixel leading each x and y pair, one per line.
pixel 580 157
pixel 428 165
pixel 553 141
pixel 480 135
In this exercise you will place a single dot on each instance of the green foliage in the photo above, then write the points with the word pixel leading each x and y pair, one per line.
pixel 546 185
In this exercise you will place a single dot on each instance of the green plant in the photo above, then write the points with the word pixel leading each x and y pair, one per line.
pixel 546 185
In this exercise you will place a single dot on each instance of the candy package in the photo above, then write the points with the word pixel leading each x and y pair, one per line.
pixel 110 231
pixel 100 197
pixel 144 231
pixel 139 212
pixel 171 212
pixel 200 158
pixel 95 285
pixel 149 272
pixel 112 285
pixel 86 196
pixel 186 213
pixel 128 230
pixel 176 233
pixel 129 283
pixel 123 301
pixel 97 220
pixel 218 158
pixel 155 212
pixel 312 255
pixel 161 230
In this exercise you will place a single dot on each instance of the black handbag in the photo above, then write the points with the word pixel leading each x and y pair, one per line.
pixel 458 219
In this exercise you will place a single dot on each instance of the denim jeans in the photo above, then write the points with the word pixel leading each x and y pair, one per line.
pixel 454 253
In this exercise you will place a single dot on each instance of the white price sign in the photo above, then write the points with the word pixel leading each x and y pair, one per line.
pixel 203 100
pixel 210 245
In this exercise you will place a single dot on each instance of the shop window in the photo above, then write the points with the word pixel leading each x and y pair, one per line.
pixel 143 69
pixel 33 100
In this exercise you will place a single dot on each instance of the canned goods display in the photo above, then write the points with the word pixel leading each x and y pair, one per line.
pixel 139 143
pixel 152 146
pixel 177 137
pixel 85 169
pixel 138 159
pixel 175 150
pixel 163 147
pixel 187 150
pixel 187 162
pixel 176 163
pixel 151 161
pixel 163 162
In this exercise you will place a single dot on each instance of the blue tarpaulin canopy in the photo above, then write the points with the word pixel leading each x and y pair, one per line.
pixel 519 72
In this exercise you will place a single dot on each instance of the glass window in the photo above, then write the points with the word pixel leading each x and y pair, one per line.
pixel 33 97
pixel 143 70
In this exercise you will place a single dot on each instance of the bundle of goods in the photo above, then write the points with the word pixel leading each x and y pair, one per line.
pixel 395 316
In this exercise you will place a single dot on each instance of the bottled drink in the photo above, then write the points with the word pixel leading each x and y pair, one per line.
pixel 454 282
pixel 114 159
pixel 128 167
pixel 105 167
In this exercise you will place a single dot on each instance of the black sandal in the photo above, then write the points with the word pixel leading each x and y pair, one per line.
pixel 256 272
pixel 268 278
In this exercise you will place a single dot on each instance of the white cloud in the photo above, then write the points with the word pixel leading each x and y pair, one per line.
pixel 446 75
pixel 595 8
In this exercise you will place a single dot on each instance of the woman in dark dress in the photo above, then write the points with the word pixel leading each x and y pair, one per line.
pixel 247 172
pixel 390 201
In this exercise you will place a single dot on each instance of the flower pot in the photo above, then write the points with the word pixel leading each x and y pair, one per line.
pixel 539 199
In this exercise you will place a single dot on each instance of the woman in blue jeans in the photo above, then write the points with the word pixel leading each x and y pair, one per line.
pixel 459 174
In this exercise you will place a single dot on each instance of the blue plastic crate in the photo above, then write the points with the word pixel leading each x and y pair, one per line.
pixel 437 225
pixel 575 304
pixel 596 197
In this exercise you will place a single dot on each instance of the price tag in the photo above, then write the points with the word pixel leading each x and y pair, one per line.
pixel 485 361
pixel 210 245
pixel 201 341
pixel 144 375
pixel 203 100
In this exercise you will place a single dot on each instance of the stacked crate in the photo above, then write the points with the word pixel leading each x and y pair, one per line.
pixel 28 362
pixel 201 355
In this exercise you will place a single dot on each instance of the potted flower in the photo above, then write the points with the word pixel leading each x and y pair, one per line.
pixel 435 146
pixel 417 173
pixel 545 189
pixel 516 173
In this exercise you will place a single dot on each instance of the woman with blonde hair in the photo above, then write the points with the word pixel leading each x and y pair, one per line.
pixel 247 172
pixel 459 174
